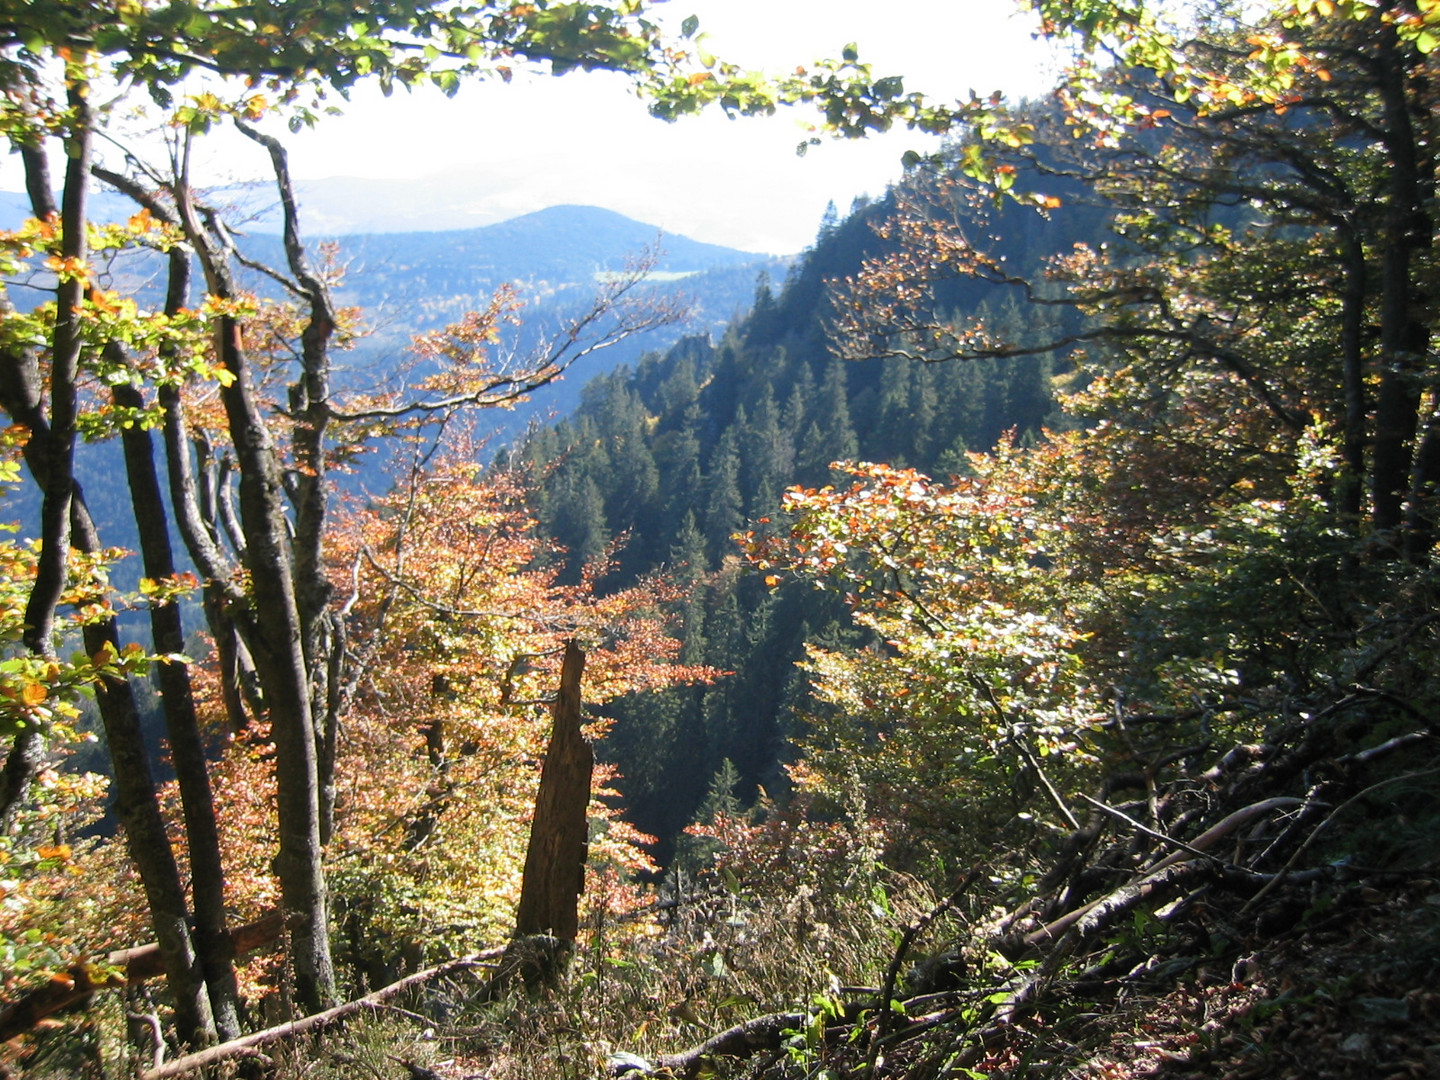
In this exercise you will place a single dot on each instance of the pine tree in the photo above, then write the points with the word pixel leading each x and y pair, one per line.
pixel 724 506
pixel 768 457
pixel 891 440
pixel 695 853
pixel 831 436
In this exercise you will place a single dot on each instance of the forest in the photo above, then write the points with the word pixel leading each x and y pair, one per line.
pixel 1007 650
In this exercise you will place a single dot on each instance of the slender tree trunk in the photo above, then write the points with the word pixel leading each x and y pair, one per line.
pixel 280 662
pixel 187 747
pixel 269 615
pixel 21 765
pixel 1351 490
pixel 1404 336
pixel 322 633
pixel 51 456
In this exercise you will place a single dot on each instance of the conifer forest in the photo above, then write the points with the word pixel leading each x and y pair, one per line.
pixel 1008 647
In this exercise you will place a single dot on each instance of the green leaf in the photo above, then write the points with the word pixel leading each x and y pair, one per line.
pixel 689 26
pixel 891 87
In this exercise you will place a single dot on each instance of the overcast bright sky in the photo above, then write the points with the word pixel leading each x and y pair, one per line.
pixel 584 138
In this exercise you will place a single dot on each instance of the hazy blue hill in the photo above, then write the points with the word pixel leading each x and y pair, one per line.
pixel 544 251
pixel 416 281
pixel 410 282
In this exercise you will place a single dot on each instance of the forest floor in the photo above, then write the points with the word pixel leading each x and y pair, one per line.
pixel 1347 989
pixel 1352 994
pixel 1339 985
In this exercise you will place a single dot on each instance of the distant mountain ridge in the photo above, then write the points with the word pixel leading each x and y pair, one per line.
pixel 544 253
pixel 409 283
pixel 555 243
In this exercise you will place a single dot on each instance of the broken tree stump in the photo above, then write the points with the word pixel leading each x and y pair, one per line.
pixel 559 836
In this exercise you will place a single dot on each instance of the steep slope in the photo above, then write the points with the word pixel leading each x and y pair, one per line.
pixel 682 451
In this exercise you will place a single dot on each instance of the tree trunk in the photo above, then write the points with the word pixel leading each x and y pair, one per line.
pixel 322 633
pixel 1404 336
pixel 50 455
pixel 182 726
pixel 559 836
pixel 1351 489
pixel 280 662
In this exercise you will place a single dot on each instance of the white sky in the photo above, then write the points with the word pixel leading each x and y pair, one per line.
pixel 584 138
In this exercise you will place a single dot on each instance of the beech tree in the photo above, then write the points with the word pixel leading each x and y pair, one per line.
pixel 1271 175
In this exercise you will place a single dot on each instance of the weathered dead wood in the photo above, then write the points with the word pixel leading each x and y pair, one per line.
pixel 742 1040
pixel 1304 847
pixel 79 981
pixel 143 961
pixel 559 836
pixel 1145 830
pixel 1400 742
pixel 1201 843
pixel 245 1046
pixel 1100 915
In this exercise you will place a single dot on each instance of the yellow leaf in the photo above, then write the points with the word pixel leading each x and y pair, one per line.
pixel 53 851
pixel 34 693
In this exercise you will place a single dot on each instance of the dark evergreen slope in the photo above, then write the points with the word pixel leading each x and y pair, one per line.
pixel 672 457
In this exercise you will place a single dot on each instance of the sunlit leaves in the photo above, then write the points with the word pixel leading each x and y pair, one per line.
pixel 442 755
pixel 41 918
pixel 36 692
pixel 965 589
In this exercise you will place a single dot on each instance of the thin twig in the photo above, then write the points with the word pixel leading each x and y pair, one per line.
pixel 1153 833
pixel 887 991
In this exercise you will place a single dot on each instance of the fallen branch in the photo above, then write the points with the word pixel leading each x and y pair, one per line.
pixel 1400 742
pixel 1304 847
pixel 79 981
pixel 1154 834
pixel 245 1045
pixel 1199 845
pixel 742 1040
pixel 887 991
pixel 144 962
pixel 1100 915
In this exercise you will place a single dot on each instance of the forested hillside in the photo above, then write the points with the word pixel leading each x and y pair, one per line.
pixel 1009 650
pixel 664 463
